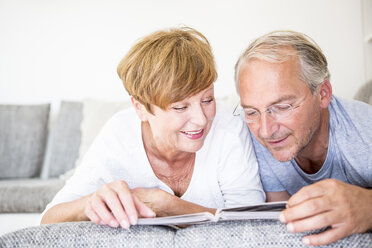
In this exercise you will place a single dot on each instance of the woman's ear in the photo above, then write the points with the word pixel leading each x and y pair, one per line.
pixel 140 109
pixel 325 93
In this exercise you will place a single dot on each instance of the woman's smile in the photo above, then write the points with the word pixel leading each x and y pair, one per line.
pixel 197 134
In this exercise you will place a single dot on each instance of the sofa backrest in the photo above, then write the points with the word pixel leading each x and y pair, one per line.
pixel 23 135
pixel 64 140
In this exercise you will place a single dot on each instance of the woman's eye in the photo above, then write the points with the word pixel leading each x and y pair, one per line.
pixel 208 101
pixel 179 108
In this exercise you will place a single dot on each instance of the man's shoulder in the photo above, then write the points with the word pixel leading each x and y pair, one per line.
pixel 347 113
pixel 355 109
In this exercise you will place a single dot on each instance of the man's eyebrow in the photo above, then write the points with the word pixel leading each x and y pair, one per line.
pixel 279 100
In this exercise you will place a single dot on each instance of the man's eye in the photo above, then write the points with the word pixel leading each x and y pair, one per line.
pixel 250 113
pixel 281 107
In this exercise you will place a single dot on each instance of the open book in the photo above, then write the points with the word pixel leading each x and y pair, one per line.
pixel 269 210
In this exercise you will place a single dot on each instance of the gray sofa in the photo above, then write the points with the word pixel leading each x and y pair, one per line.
pixel 255 233
pixel 32 159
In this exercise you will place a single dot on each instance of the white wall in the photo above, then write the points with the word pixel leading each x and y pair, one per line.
pixel 69 49
pixel 367 28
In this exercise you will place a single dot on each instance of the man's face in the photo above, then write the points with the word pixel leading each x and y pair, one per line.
pixel 263 84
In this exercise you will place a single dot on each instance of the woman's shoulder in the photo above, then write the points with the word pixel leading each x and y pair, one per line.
pixel 123 127
pixel 123 120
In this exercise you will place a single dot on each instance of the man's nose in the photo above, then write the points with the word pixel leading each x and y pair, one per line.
pixel 268 126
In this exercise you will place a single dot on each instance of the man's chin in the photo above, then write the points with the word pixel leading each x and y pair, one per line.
pixel 283 159
pixel 282 156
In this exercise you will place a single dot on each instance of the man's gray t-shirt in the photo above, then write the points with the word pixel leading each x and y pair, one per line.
pixel 349 157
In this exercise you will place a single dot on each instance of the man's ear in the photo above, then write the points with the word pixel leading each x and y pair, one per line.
pixel 140 109
pixel 325 93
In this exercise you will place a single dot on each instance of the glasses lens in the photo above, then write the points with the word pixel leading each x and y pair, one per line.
pixel 251 115
pixel 281 110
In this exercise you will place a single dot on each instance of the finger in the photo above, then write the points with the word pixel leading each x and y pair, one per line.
pixel 143 210
pixel 92 215
pixel 114 204
pixel 318 221
pixel 306 209
pixel 126 199
pixel 306 193
pixel 326 237
pixel 99 206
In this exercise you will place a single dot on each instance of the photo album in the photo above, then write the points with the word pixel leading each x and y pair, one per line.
pixel 269 210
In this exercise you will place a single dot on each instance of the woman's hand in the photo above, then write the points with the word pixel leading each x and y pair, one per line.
pixel 166 204
pixel 158 200
pixel 115 204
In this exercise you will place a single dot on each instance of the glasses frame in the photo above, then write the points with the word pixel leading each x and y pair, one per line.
pixel 236 111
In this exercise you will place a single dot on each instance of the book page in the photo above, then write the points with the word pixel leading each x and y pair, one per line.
pixel 269 210
pixel 258 211
pixel 268 206
pixel 178 219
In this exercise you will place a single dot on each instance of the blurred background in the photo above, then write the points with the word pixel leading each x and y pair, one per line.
pixel 53 50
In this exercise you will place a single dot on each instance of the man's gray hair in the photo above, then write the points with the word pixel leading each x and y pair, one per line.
pixel 275 47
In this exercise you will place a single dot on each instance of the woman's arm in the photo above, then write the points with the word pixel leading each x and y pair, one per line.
pixel 66 212
pixel 113 204
pixel 165 204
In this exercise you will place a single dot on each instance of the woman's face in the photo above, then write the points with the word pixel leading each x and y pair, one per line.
pixel 183 126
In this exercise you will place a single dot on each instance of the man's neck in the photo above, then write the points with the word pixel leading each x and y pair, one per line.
pixel 313 156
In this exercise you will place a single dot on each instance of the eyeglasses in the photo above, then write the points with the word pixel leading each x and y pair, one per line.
pixel 277 111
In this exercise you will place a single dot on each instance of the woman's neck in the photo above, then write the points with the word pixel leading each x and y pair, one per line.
pixel 174 168
pixel 163 152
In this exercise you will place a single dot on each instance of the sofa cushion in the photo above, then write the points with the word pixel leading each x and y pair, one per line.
pixel 64 140
pixel 250 233
pixel 27 195
pixel 95 114
pixel 254 233
pixel 88 234
pixel 23 134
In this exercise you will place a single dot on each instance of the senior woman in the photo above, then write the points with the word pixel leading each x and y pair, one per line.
pixel 171 153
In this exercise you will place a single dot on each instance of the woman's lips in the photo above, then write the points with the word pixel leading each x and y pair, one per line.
pixel 194 134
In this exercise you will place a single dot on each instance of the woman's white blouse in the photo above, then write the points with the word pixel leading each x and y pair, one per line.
pixel 225 172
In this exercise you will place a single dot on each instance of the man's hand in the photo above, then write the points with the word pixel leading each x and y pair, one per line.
pixel 345 208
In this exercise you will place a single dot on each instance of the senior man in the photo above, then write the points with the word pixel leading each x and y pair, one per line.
pixel 313 148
